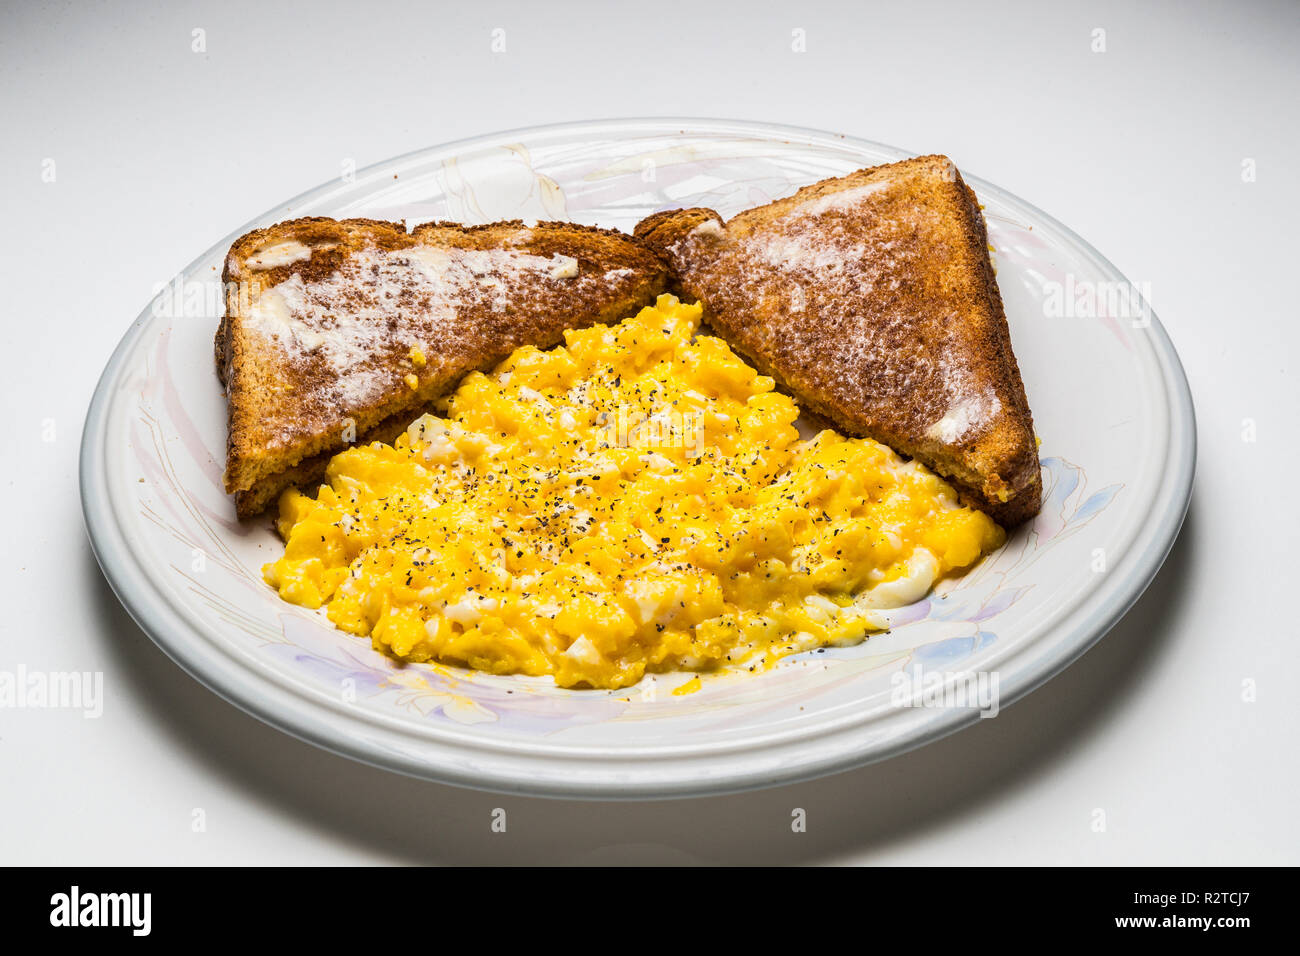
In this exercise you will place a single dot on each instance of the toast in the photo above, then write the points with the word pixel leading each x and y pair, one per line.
pixel 872 298
pixel 336 330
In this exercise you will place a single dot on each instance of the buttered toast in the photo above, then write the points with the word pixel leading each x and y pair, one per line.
pixel 343 330
pixel 872 298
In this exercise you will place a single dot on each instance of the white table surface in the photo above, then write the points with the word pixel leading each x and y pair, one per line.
pixel 160 151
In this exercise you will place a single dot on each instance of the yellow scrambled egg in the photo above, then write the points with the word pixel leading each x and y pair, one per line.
pixel 636 500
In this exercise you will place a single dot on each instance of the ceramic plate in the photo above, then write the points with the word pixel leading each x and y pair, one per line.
pixel 1118 453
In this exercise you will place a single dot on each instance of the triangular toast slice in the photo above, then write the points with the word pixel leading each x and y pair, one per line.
pixel 343 330
pixel 872 298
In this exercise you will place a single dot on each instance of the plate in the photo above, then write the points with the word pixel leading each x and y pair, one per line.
pixel 1110 403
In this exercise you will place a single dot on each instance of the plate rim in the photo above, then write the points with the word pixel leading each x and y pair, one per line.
pixel 302 718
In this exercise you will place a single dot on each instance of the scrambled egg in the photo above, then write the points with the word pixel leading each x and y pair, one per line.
pixel 636 500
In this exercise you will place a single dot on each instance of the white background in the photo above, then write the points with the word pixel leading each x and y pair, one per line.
pixel 161 151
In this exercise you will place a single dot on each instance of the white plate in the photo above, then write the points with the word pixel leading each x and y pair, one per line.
pixel 1109 399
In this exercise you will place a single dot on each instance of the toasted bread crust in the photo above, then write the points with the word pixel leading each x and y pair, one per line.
pixel 872 297
pixel 311 471
pixel 322 317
